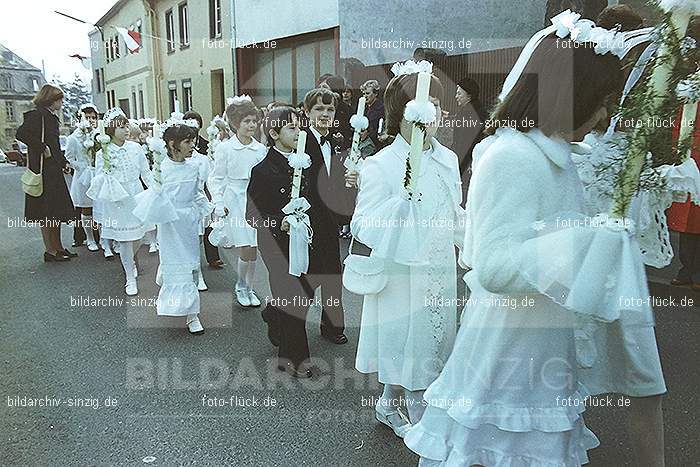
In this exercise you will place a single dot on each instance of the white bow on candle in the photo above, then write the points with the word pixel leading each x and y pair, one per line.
pixel 358 122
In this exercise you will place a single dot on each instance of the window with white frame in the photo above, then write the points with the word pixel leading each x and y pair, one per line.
pixel 10 111
pixel 184 25
pixel 214 19
pixel 170 30
pixel 187 95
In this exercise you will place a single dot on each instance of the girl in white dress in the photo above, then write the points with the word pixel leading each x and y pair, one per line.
pixel 80 153
pixel 176 205
pixel 510 393
pixel 233 161
pixel 118 175
pixel 408 328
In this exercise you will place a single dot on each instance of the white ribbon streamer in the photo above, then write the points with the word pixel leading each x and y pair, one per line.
pixel 300 235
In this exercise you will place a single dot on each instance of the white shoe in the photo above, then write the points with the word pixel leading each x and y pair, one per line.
pixel 92 246
pixel 193 324
pixel 201 285
pixel 254 300
pixel 159 277
pixel 153 248
pixel 242 296
pixel 393 418
pixel 109 254
pixel 131 288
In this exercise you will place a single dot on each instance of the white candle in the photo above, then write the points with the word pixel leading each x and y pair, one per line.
pixel 688 120
pixel 156 130
pixel 177 106
pixel 296 179
pixel 417 136
pixel 361 106
pixel 381 126
pixel 101 127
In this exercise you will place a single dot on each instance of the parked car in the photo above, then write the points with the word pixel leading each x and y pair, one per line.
pixel 18 154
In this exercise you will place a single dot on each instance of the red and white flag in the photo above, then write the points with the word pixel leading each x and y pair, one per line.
pixel 132 39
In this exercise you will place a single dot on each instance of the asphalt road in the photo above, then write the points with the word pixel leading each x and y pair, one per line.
pixel 121 387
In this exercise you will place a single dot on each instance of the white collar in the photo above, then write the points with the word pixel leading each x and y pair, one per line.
pixel 285 154
pixel 554 148
pixel 236 144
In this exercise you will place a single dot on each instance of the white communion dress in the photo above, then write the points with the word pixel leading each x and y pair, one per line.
pixel 177 208
pixel 115 186
pixel 205 165
pixel 84 170
pixel 511 393
pixel 408 329
pixel 233 162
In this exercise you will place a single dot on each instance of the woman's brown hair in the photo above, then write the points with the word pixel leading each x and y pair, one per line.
pixel 117 121
pixel 399 91
pixel 562 86
pixel 47 95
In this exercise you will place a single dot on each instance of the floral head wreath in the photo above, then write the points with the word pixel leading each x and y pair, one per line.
pixel 421 113
pixel 570 24
pixel 237 100
pixel 111 114
pixel 177 120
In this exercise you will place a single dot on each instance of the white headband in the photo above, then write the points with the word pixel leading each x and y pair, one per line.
pixel 570 24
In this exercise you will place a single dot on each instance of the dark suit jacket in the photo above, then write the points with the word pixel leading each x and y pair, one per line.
pixel 269 190
pixel 30 134
pixel 202 145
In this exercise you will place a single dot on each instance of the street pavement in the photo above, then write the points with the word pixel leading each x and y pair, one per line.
pixel 119 386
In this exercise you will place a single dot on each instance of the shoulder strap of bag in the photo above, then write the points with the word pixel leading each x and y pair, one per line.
pixel 41 154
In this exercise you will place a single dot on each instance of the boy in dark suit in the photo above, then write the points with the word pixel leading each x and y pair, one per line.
pixel 268 192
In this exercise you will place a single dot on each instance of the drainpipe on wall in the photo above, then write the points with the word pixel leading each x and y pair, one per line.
pixel 234 45
pixel 155 50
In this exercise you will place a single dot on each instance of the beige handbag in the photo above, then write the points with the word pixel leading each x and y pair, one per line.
pixel 33 183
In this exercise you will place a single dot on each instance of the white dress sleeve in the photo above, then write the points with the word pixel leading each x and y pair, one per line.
pixel 387 222
pixel 502 200
pixel 144 169
pixel 218 178
pixel 73 152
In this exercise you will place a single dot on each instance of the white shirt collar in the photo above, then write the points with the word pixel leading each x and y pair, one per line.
pixel 254 144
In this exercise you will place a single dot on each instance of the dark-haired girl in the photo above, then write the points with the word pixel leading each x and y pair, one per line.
pixel 510 393
pixel 176 204
pixel 119 167
pixel 233 161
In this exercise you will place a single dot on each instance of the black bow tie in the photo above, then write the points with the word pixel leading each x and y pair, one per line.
pixel 326 139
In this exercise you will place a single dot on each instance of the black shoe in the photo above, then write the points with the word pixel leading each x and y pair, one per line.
pixel 291 370
pixel 272 332
pixel 68 253
pixel 58 257
pixel 335 338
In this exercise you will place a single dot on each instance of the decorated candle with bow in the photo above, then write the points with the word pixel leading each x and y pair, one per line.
pixel 358 122
pixel 414 113
pixel 300 152
pixel 658 89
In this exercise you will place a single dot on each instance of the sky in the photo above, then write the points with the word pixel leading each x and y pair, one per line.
pixel 33 31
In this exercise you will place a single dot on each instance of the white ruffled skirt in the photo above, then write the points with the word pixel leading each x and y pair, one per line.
pixel 80 183
pixel 509 393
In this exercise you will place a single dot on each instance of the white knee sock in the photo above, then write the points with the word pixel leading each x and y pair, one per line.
pixel 106 244
pixel 250 274
pixel 87 227
pixel 242 271
pixel 126 255
pixel 415 404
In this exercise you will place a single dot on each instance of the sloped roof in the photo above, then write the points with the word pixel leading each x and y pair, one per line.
pixel 9 59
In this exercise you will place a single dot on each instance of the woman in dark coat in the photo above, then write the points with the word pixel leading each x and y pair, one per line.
pixel 54 206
